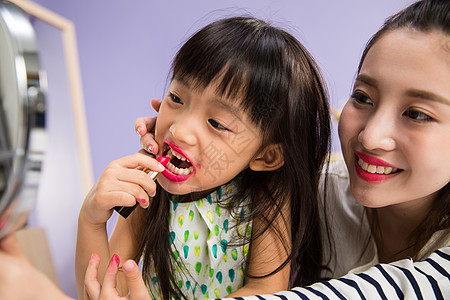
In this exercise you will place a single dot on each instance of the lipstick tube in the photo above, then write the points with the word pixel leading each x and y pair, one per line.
pixel 125 211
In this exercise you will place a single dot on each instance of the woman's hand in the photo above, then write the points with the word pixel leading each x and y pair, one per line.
pixel 122 183
pixel 19 279
pixel 145 127
pixel 96 291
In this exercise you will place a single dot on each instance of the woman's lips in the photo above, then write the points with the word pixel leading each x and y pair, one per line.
pixel 373 169
pixel 373 160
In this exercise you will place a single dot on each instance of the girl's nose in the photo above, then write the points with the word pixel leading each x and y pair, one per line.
pixel 378 133
pixel 183 133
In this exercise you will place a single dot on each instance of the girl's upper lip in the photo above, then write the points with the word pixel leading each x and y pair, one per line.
pixel 371 160
pixel 178 150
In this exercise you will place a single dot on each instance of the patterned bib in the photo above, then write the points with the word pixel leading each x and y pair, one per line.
pixel 207 245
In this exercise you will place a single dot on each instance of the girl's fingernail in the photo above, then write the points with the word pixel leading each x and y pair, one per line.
pixel 138 131
pixel 149 149
pixel 128 266
pixel 115 259
pixel 140 200
pixel 161 167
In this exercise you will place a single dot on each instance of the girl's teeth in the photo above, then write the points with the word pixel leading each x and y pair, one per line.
pixel 375 169
pixel 179 171
pixel 177 155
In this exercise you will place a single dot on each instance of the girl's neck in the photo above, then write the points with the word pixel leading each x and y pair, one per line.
pixel 393 225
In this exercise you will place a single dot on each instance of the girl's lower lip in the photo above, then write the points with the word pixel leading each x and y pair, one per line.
pixel 372 177
pixel 175 178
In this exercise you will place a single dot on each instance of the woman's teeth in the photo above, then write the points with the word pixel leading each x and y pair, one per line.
pixel 375 169
pixel 178 171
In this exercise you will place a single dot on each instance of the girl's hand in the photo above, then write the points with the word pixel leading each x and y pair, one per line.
pixel 107 290
pixel 145 127
pixel 122 183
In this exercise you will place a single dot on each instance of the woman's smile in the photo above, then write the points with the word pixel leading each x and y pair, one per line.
pixel 372 169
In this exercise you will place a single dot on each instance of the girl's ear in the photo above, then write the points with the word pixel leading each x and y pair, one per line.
pixel 270 159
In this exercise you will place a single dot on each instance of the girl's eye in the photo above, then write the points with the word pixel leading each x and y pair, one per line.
pixel 417 115
pixel 175 99
pixel 361 98
pixel 216 125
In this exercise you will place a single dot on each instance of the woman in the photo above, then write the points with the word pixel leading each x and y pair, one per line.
pixel 390 200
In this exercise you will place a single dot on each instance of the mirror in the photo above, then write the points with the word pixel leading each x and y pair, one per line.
pixel 22 118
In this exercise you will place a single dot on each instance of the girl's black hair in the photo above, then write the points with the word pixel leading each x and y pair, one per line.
pixel 423 16
pixel 276 81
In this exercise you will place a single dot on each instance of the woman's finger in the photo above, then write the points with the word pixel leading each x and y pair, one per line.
pixel 133 277
pixel 11 246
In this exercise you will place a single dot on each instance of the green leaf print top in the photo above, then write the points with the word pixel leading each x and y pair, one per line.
pixel 206 243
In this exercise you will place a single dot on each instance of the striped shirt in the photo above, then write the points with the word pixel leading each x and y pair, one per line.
pixel 405 279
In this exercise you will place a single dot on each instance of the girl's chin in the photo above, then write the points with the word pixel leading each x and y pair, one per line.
pixel 176 188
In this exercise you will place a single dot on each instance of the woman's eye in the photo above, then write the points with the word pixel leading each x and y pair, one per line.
pixel 216 125
pixel 361 98
pixel 175 99
pixel 417 115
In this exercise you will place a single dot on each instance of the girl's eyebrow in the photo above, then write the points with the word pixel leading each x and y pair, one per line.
pixel 427 96
pixel 232 109
pixel 217 100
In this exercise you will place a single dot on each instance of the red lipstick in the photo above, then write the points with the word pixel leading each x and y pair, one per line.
pixel 373 160
pixel 176 177
pixel 368 176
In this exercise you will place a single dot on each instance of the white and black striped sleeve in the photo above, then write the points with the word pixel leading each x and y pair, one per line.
pixel 405 279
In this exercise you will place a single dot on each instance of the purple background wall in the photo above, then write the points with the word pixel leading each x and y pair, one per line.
pixel 125 49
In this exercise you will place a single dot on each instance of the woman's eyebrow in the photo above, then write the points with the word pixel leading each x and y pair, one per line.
pixel 427 96
pixel 367 80
pixel 411 93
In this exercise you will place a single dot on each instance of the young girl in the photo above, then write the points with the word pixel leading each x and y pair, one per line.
pixel 390 197
pixel 245 124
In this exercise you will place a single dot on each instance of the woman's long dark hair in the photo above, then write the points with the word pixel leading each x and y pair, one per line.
pixel 276 81
pixel 423 16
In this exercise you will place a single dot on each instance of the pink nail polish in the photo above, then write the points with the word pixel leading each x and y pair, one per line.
pixel 115 259
pixel 149 149
pixel 141 200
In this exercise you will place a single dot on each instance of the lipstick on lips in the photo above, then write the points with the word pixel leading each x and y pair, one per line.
pixel 180 167
pixel 125 211
pixel 373 169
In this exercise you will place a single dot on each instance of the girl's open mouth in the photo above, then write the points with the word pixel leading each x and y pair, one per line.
pixel 179 168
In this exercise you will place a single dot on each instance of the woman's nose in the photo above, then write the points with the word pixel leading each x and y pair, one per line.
pixel 183 131
pixel 378 133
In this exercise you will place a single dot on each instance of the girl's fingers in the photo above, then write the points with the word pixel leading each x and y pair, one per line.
pixel 135 182
pixel 136 285
pixel 109 281
pixel 91 285
pixel 149 144
pixel 156 104
pixel 140 125
pixel 138 160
